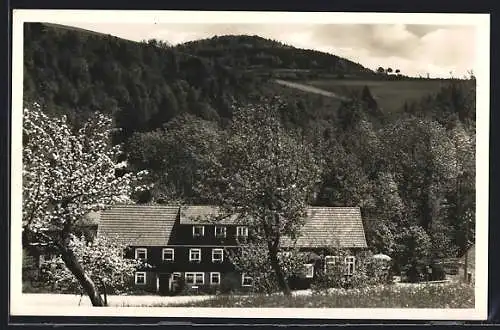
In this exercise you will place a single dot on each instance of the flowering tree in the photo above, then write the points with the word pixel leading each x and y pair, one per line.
pixel 66 174
pixel 104 262
pixel 266 175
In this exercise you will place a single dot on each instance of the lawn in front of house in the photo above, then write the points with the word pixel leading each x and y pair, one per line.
pixel 447 295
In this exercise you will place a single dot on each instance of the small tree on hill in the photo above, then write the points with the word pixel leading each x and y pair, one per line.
pixel 67 174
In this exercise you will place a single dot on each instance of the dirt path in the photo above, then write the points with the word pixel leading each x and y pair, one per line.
pixel 309 89
pixel 42 299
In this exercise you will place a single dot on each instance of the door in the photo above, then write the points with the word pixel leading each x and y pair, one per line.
pixel 168 283
pixel 164 284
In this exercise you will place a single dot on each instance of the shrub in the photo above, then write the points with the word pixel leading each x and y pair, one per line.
pixel 438 273
pixel 412 253
pixel 229 284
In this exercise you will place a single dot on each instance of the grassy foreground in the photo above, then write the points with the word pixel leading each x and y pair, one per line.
pixel 455 295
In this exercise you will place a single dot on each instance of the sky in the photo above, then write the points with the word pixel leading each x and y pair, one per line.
pixel 440 50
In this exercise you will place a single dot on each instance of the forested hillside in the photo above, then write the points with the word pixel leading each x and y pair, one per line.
pixel 261 55
pixel 412 173
pixel 141 85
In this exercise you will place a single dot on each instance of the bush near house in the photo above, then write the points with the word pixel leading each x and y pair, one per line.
pixel 365 273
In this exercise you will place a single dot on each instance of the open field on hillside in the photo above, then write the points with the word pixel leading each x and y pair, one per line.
pixel 390 95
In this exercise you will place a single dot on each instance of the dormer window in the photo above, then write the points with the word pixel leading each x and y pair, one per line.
pixel 198 231
pixel 141 253
pixel 242 231
pixel 220 231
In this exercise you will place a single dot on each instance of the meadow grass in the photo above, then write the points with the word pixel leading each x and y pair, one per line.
pixel 390 95
pixel 455 295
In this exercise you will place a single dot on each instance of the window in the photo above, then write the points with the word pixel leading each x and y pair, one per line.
pixel 246 280
pixel 168 254
pixel 220 231
pixel 215 278
pixel 241 231
pixel 198 231
pixel 140 278
pixel 217 255
pixel 195 255
pixel 350 264
pixel 195 278
pixel 176 276
pixel 141 253
pixel 331 261
pixel 309 270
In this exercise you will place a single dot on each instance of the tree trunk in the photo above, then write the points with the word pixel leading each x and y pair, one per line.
pixel 85 281
pixel 280 275
pixel 104 291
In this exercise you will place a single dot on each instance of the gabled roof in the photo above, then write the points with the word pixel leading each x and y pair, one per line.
pixel 205 214
pixel 139 225
pixel 340 227
pixel 152 225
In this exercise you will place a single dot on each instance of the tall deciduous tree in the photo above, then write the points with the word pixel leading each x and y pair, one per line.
pixel 66 174
pixel 266 175
pixel 176 155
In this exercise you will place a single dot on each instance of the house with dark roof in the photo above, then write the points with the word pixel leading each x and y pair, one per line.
pixel 191 243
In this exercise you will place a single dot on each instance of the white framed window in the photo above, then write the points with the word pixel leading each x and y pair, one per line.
pixel 331 261
pixel 140 278
pixel 242 231
pixel 246 280
pixel 168 254
pixel 220 231
pixel 198 231
pixel 350 263
pixel 141 253
pixel 215 278
pixel 176 275
pixel 217 255
pixel 195 255
pixel 309 270
pixel 195 278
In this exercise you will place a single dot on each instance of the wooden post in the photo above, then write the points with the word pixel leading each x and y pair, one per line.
pixel 466 261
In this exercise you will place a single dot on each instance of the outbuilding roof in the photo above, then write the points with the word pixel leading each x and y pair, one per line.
pixel 139 225
pixel 340 227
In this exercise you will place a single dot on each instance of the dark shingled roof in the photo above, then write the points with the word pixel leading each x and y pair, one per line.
pixel 340 227
pixel 151 225
pixel 193 214
pixel 139 225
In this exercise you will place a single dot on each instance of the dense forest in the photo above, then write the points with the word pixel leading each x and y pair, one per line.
pixel 412 173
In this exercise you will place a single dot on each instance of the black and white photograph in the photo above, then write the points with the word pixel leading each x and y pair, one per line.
pixel 250 164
